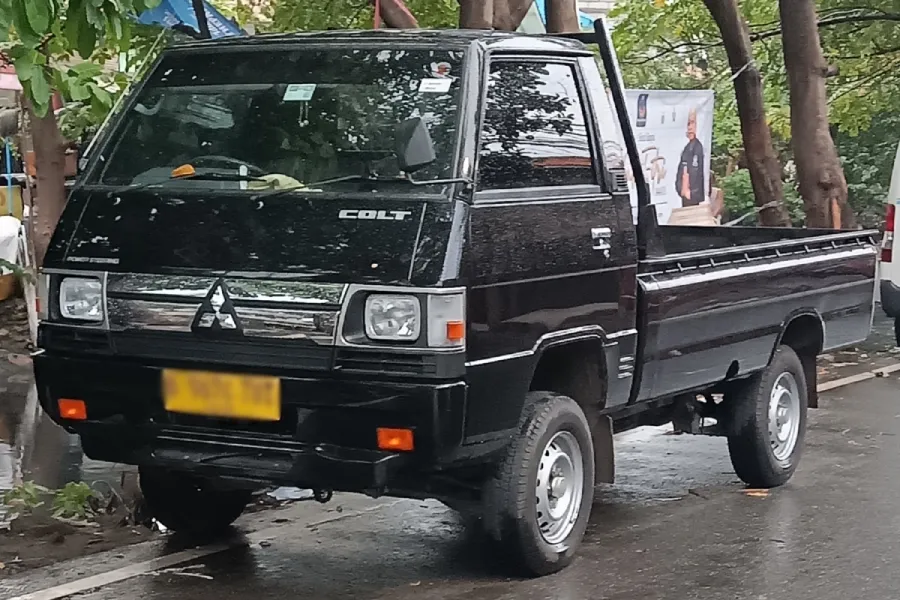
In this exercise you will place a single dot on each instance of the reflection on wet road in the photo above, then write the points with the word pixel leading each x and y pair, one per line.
pixel 678 525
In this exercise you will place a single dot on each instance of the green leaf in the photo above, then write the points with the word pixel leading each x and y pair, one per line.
pixel 100 95
pixel 23 27
pixel 40 88
pixel 87 39
pixel 39 13
pixel 87 69
pixel 74 20
pixel 25 66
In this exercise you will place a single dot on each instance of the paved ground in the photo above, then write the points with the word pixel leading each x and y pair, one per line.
pixel 678 525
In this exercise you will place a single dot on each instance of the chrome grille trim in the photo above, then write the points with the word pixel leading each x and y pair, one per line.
pixel 151 315
pixel 173 287
pixel 279 323
pixel 158 285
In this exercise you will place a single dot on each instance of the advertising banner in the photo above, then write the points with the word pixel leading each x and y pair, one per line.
pixel 673 130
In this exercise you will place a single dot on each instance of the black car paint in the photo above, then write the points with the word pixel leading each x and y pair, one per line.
pixel 704 307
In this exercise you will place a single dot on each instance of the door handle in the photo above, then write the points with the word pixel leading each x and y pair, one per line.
pixel 600 237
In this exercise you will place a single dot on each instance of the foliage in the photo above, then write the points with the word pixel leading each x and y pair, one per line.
pixel 75 501
pixel 25 497
pixel 60 45
pixel 17 270
pixel 868 160
pixel 739 199
pixel 674 44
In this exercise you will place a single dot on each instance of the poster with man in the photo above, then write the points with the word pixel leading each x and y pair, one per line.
pixel 673 129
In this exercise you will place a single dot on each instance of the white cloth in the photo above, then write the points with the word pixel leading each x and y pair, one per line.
pixel 9 240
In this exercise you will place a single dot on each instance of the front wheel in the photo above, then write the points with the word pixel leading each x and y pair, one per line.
pixel 188 504
pixel 537 506
pixel 767 421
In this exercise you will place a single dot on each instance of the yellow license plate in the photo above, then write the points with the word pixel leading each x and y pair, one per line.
pixel 250 397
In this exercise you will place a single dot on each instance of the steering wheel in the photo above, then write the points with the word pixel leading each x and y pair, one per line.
pixel 215 158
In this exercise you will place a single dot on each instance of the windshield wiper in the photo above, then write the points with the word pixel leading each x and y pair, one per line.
pixel 398 179
pixel 197 176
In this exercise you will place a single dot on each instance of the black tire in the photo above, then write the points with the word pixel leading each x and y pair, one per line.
pixel 750 442
pixel 897 330
pixel 510 503
pixel 189 505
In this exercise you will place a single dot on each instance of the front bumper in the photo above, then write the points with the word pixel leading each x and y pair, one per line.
pixel 325 439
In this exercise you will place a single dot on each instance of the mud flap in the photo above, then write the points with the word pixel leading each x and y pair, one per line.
pixel 604 452
pixel 812 384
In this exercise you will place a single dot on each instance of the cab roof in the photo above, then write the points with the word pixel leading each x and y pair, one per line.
pixel 450 38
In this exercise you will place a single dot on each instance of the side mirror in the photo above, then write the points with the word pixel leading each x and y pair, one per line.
pixel 413 145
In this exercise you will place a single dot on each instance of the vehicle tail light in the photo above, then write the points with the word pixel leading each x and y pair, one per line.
pixel 887 242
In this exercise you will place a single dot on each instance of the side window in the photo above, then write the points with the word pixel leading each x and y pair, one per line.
pixel 534 132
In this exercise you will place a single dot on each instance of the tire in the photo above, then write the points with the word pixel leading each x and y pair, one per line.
pixel 190 505
pixel 897 330
pixel 763 458
pixel 552 428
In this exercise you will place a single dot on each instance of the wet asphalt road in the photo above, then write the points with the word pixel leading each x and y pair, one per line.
pixel 677 525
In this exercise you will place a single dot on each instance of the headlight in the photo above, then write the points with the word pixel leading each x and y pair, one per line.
pixel 393 318
pixel 81 299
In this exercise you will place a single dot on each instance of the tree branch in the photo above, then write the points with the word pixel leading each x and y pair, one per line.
pixel 692 46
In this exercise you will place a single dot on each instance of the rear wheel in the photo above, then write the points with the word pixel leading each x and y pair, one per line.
pixel 188 504
pixel 538 505
pixel 767 422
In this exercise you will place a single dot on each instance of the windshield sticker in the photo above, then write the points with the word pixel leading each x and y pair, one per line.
pixel 435 85
pixel 299 92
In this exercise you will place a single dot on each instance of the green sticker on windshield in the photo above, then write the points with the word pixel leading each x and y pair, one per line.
pixel 299 92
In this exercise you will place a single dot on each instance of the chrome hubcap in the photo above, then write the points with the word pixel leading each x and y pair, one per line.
pixel 784 416
pixel 559 487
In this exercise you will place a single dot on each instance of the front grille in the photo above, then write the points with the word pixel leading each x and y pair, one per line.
pixel 70 339
pixel 292 354
pixel 385 362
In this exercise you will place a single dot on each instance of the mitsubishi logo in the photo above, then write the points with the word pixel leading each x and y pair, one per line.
pixel 216 312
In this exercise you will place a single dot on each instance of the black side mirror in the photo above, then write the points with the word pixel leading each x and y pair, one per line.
pixel 413 145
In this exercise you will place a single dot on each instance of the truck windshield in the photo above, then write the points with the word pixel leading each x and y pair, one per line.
pixel 283 118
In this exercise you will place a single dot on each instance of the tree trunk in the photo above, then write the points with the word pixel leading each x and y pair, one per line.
pixel 819 171
pixel 202 23
pixel 396 16
pixel 760 155
pixel 562 16
pixel 477 14
pixel 516 9
pixel 49 163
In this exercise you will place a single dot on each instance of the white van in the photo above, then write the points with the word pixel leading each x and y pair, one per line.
pixel 890 269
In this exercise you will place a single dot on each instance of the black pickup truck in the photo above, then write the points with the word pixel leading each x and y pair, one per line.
pixel 401 263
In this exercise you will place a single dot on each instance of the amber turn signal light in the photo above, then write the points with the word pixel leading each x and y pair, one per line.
pixel 456 331
pixel 396 440
pixel 183 171
pixel 74 410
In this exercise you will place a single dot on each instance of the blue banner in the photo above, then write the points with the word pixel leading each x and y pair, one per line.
pixel 175 12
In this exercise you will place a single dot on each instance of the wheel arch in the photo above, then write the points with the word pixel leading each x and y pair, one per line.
pixel 577 366
pixel 804 332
